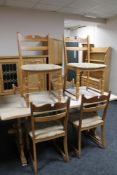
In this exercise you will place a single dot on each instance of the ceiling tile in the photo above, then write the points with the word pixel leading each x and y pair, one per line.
pixel 83 4
pixel 53 2
pixel 70 10
pixel 79 7
pixel 103 10
pixel 103 1
pixel 46 7
pixel 33 1
pixel 99 8
pixel 21 3
pixel 2 2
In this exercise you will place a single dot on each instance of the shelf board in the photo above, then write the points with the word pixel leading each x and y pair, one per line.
pixel 96 61
pixel 99 50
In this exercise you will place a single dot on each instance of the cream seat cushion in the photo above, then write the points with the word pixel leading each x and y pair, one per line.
pixel 46 130
pixel 89 119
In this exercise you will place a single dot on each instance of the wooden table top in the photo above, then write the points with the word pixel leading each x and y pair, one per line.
pixel 14 106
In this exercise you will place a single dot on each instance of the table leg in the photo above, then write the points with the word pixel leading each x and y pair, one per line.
pixel 20 143
pixel 87 83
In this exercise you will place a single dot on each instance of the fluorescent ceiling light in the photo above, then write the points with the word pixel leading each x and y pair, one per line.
pixel 90 16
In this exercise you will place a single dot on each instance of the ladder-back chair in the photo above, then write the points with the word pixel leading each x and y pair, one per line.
pixel 77 47
pixel 92 115
pixel 53 121
pixel 33 49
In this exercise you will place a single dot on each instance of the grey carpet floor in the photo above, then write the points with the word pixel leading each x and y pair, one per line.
pixel 94 160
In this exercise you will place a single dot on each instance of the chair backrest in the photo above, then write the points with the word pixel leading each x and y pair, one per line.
pixel 49 113
pixel 79 44
pixel 33 46
pixel 75 47
pixel 33 49
pixel 94 104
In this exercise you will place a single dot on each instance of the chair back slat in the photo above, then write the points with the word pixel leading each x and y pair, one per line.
pixel 48 107
pixel 32 45
pixel 76 39
pixel 76 48
pixel 48 112
pixel 94 108
pixel 34 48
pixel 93 105
pixel 32 38
pixel 52 117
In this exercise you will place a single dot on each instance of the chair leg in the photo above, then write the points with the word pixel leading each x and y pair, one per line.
pixel 78 150
pixel 66 157
pixel 35 159
pixel 87 83
pixel 79 144
pixel 102 137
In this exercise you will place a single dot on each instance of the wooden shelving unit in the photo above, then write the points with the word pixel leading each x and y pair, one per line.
pixel 100 55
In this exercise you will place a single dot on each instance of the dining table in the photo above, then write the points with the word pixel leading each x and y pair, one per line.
pixel 14 108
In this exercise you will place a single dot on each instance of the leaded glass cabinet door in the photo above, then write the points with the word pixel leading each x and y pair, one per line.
pixel 8 76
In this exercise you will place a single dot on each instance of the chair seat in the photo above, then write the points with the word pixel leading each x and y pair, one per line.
pixel 48 130
pixel 89 119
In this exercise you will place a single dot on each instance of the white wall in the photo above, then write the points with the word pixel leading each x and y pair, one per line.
pixel 34 22
pixel 28 21
pixel 104 35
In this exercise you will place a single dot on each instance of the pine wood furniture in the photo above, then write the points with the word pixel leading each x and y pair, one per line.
pixel 9 74
pixel 88 119
pixel 53 124
pixel 12 107
pixel 85 67
pixel 42 68
pixel 78 47
pixel 56 51
pixel 80 42
pixel 31 45
pixel 98 55
pixel 39 46
pixel 10 68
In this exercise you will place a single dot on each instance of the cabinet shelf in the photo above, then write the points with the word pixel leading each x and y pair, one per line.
pixel 96 61
pixel 99 50
pixel 100 55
